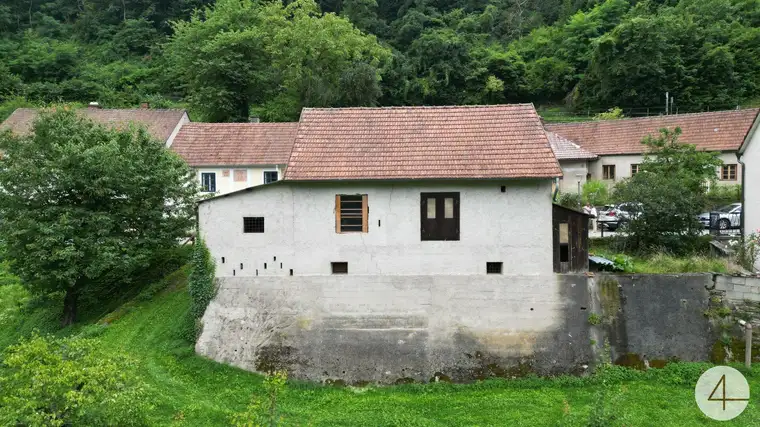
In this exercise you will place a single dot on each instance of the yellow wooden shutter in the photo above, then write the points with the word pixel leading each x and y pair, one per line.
pixel 365 210
pixel 337 213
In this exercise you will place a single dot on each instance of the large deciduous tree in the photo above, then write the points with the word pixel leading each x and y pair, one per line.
pixel 83 205
pixel 244 55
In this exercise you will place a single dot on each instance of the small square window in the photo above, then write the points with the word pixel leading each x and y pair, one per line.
pixel 728 172
pixel 253 224
pixel 493 267
pixel 608 172
pixel 634 169
pixel 270 177
pixel 208 182
pixel 351 213
pixel 339 267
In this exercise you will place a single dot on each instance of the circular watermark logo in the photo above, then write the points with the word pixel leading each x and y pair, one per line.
pixel 722 393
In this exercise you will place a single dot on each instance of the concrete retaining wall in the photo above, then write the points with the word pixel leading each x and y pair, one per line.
pixel 386 329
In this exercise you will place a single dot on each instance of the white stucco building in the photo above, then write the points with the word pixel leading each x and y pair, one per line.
pixel 749 157
pixel 396 191
pixel 617 143
pixel 573 160
pixel 231 156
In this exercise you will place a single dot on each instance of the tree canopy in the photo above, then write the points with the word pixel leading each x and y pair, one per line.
pixel 230 59
pixel 84 206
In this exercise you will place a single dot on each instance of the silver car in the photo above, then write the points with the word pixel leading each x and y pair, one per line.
pixel 727 217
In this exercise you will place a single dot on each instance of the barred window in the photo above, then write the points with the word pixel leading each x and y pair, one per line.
pixel 253 224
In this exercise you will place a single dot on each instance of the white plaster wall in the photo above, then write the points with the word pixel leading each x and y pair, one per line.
pixel 751 208
pixel 512 227
pixel 623 167
pixel 572 171
pixel 224 185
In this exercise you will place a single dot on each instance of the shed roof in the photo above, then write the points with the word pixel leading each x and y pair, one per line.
pixel 455 142
pixel 714 131
pixel 160 123
pixel 565 149
pixel 219 144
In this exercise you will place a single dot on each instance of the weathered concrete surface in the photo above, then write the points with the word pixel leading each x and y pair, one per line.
pixel 657 316
pixel 739 288
pixel 390 328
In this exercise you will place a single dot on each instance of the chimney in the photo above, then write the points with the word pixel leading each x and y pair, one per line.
pixel 253 119
pixel 93 105
pixel 145 106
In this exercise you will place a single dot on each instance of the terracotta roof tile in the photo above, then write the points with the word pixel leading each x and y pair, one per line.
pixel 715 131
pixel 160 123
pixel 500 141
pixel 219 144
pixel 565 149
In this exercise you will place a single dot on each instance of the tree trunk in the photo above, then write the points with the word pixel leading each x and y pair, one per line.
pixel 69 307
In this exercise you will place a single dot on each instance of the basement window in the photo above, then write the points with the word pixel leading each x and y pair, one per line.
pixel 253 224
pixel 339 267
pixel 351 212
pixel 493 267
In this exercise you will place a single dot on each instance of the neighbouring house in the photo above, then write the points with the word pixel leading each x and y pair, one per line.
pixel 573 160
pixel 749 158
pixel 231 156
pixel 161 124
pixel 618 142
pixel 403 243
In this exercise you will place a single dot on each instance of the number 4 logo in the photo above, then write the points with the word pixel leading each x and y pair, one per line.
pixel 723 397
pixel 722 393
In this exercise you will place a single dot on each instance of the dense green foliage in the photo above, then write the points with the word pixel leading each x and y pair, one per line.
pixel 189 390
pixel 46 381
pixel 201 287
pixel 85 207
pixel 258 57
pixel 670 188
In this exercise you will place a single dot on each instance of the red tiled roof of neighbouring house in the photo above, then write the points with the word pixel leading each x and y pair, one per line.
pixel 219 144
pixel 715 131
pixel 565 149
pixel 469 142
pixel 160 123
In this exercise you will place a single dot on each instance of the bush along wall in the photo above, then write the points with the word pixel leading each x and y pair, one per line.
pixel 201 287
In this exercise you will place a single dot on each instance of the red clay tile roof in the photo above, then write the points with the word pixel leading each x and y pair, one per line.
pixel 160 123
pixel 222 144
pixel 715 131
pixel 499 141
pixel 565 149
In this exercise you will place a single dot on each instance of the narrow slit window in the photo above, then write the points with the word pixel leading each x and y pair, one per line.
pixel 339 267
pixel 448 208
pixel 253 224
pixel 494 268
pixel 564 240
pixel 431 208
pixel 351 213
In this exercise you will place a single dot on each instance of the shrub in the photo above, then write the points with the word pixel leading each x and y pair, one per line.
pixel 748 251
pixel 201 287
pixel 264 413
pixel 722 195
pixel 596 193
pixel 46 381
pixel 570 200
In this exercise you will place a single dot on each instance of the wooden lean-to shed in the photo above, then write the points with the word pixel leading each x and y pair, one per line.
pixel 570 239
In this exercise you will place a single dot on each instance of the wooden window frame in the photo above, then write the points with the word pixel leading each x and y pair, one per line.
pixel 635 168
pixel 440 228
pixel 364 214
pixel 726 172
pixel 209 189
pixel 605 173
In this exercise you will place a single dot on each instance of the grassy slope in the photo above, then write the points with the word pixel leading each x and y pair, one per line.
pixel 190 390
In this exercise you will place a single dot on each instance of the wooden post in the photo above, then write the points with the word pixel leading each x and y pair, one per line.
pixel 748 342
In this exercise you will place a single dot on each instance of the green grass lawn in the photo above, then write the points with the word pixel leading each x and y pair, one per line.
pixel 190 390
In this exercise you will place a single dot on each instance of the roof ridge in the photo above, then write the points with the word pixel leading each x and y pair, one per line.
pixel 399 107
pixel 586 122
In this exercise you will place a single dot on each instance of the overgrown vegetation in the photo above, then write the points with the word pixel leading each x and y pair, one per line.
pixel 670 192
pixel 613 248
pixel 84 208
pixel 588 55
pixel 45 381
pixel 201 287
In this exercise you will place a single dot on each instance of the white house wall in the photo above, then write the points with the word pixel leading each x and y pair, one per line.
pixel 574 172
pixel 513 227
pixel 227 184
pixel 751 208
pixel 623 167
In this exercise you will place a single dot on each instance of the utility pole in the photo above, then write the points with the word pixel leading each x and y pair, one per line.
pixel 667 102
pixel 672 101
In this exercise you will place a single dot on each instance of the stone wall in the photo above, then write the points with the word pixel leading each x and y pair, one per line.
pixel 739 288
pixel 387 329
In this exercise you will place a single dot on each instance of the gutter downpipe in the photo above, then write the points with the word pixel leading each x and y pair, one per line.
pixel 744 178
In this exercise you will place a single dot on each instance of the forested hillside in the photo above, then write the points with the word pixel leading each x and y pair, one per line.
pixel 268 59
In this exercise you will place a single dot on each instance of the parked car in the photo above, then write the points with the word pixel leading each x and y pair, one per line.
pixel 728 217
pixel 617 215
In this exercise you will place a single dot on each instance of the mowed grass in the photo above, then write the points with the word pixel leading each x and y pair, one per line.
pixel 189 390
